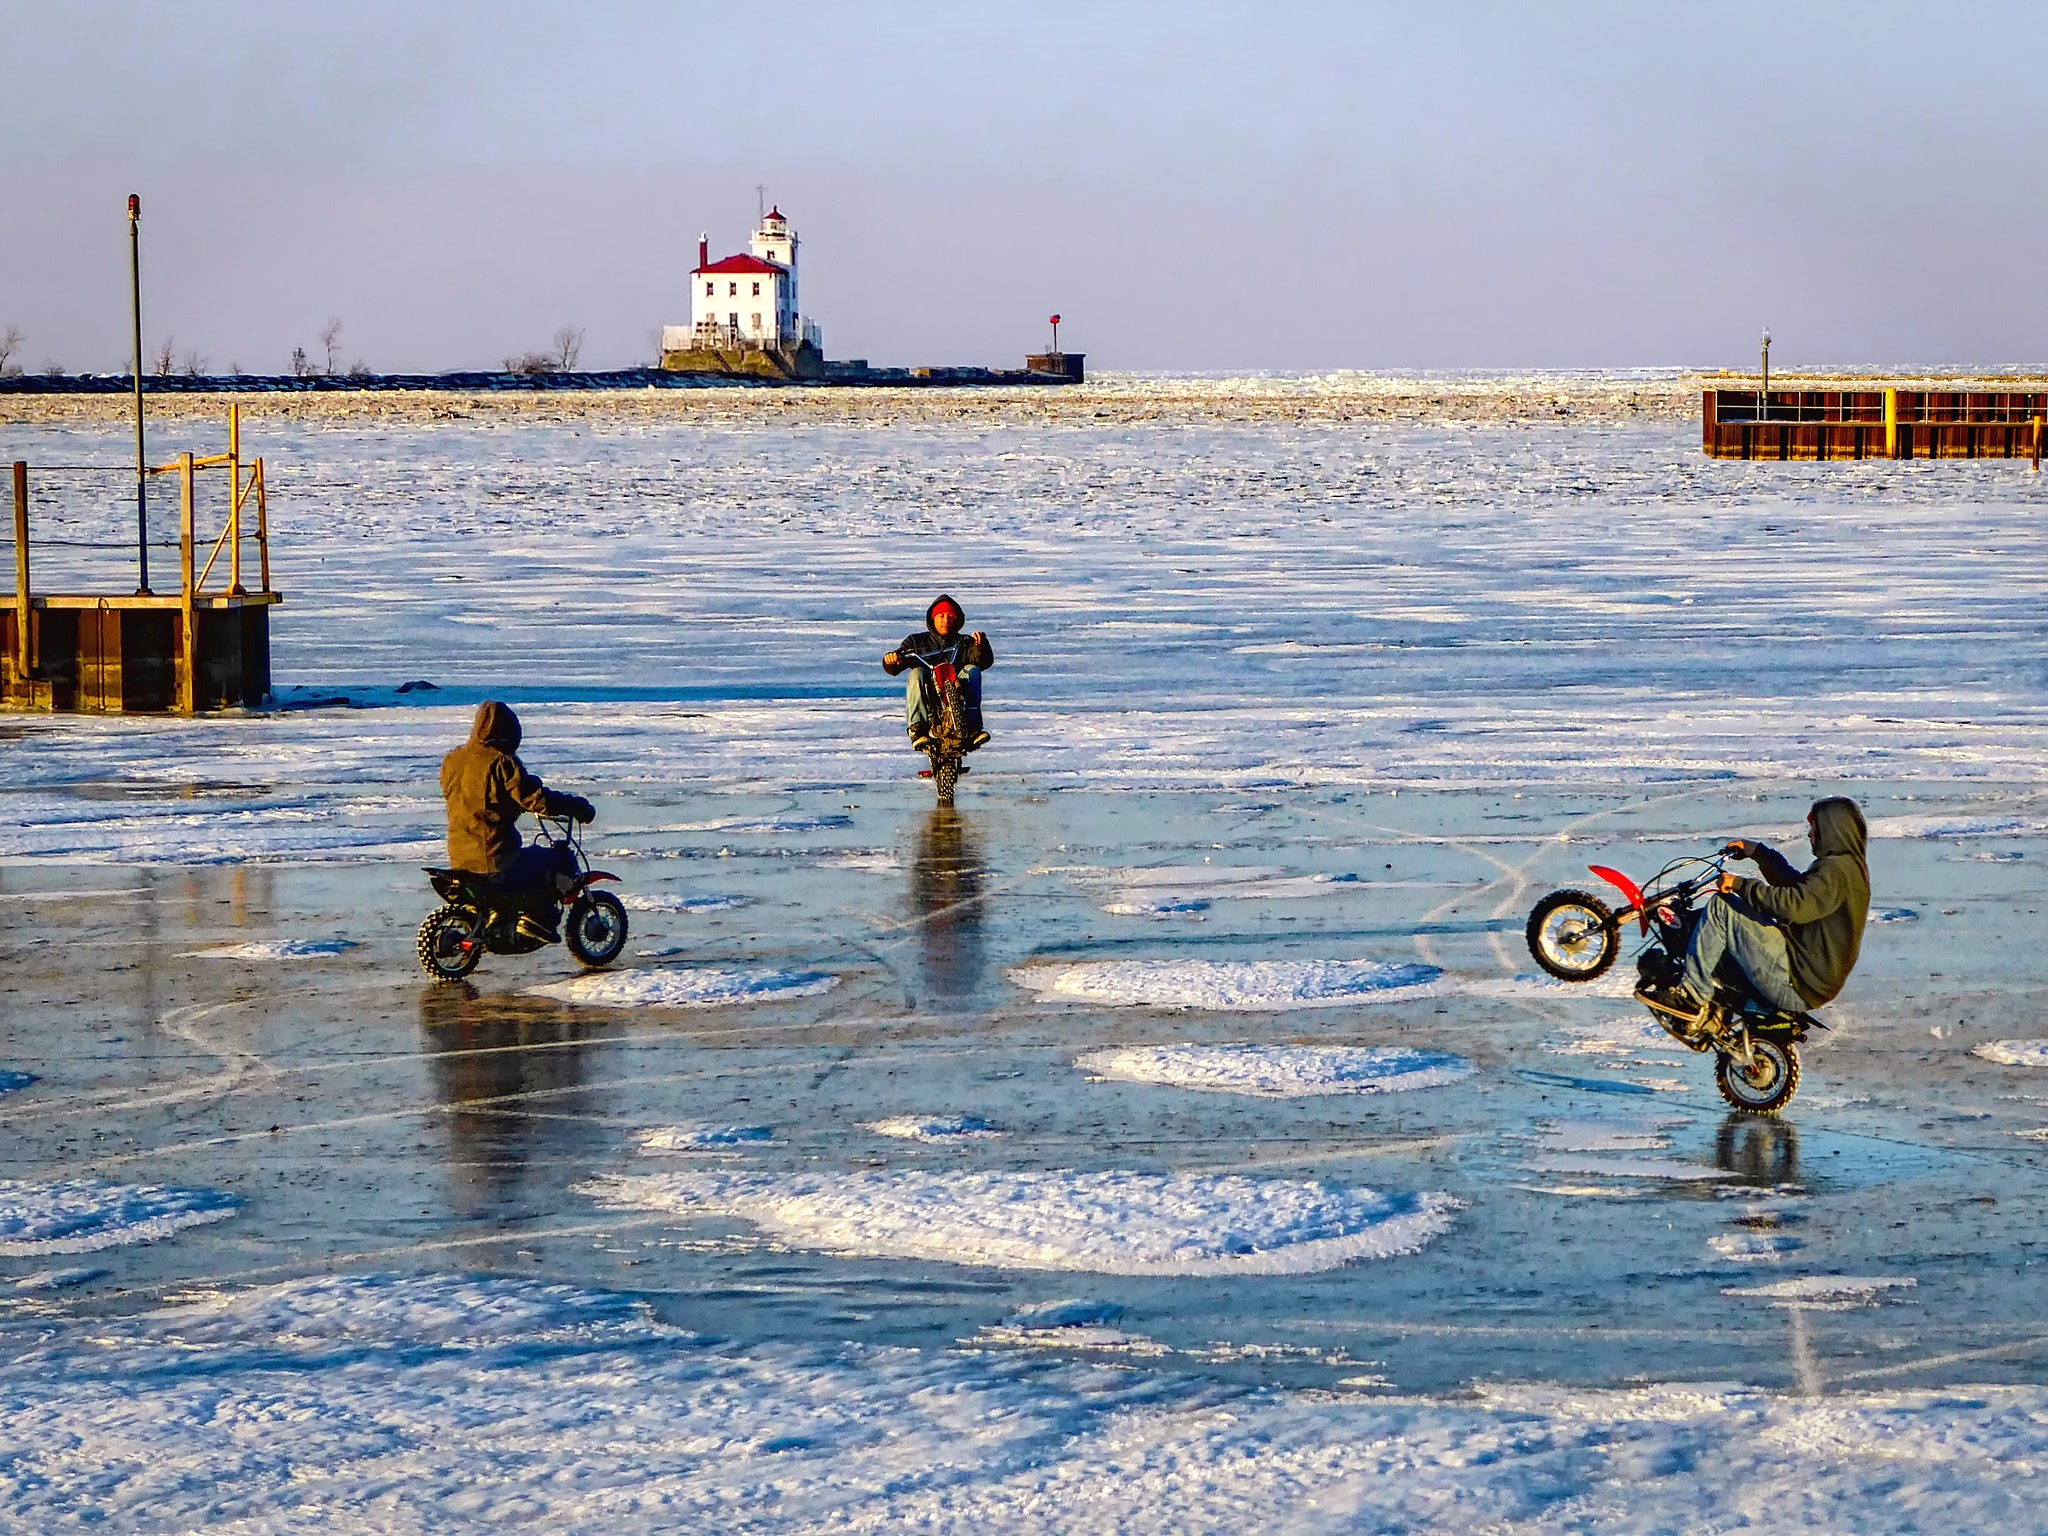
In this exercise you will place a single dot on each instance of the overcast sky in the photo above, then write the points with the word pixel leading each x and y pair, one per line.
pixel 1194 186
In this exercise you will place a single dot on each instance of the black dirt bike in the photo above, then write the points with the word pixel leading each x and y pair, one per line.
pixel 481 916
pixel 948 727
pixel 1575 937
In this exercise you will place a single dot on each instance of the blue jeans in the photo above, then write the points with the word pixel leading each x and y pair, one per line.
pixel 1725 928
pixel 919 697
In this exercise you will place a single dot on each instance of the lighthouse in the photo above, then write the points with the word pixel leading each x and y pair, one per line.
pixel 743 310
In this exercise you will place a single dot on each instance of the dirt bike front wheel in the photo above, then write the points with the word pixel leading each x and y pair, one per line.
pixel 1573 936
pixel 1765 1087
pixel 945 774
pixel 596 929
pixel 451 943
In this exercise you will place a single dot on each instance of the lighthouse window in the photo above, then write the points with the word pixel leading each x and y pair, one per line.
pixel 732 290
pixel 710 289
pixel 757 290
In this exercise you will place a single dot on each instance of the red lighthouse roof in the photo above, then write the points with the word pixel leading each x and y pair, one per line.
pixel 741 264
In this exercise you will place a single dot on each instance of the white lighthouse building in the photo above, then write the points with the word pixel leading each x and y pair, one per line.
pixel 745 302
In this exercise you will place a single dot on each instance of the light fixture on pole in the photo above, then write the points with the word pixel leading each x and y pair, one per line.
pixel 141 454
pixel 1055 335
pixel 1763 399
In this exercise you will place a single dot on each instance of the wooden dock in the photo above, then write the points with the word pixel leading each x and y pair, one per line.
pixel 1854 419
pixel 181 653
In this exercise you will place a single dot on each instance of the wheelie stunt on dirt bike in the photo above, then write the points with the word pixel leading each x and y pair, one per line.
pixel 1734 965
pixel 943 693
pixel 502 896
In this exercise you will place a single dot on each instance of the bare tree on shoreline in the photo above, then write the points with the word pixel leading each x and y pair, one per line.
pixel 568 348
pixel 166 358
pixel 330 343
pixel 11 338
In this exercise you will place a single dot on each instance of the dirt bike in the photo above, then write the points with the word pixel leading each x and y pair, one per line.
pixel 1575 936
pixel 481 916
pixel 948 727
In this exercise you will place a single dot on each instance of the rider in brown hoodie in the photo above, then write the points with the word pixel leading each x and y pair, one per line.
pixel 486 787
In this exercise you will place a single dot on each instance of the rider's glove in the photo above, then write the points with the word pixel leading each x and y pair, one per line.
pixel 580 809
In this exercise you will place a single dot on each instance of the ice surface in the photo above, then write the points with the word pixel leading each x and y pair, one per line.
pixel 2015 1053
pixel 706 988
pixel 274 949
pixel 1753 1247
pixel 1102 1223
pixel 1602 1149
pixel 1280 1071
pixel 1248 986
pixel 662 901
pixel 704 1138
pixel 934 1128
pixel 85 1215
pixel 455 1403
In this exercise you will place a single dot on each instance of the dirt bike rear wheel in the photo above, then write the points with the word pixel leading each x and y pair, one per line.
pixel 442 939
pixel 1766 1088
pixel 596 929
pixel 1573 936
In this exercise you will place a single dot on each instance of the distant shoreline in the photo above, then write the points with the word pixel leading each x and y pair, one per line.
pixel 1559 398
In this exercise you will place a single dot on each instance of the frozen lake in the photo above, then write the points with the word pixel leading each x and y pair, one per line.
pixel 1175 1136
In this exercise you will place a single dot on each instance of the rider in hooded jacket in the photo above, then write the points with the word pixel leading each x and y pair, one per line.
pixel 942 641
pixel 487 787
pixel 1796 935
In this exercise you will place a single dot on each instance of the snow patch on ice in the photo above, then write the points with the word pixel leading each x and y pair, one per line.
pixel 1615 1037
pixel 934 1128
pixel 1941 825
pixel 1753 1247
pixel 1832 1291
pixel 685 988
pixel 1280 1071
pixel 660 901
pixel 704 1138
pixel 762 826
pixel 85 1215
pixel 60 1279
pixel 2015 1053
pixel 272 949
pixel 1104 1223
pixel 1250 986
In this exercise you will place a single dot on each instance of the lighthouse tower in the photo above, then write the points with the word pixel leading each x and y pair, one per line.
pixel 775 241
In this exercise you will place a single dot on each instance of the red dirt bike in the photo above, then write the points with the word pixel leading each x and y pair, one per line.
pixel 480 916
pixel 948 726
pixel 1575 936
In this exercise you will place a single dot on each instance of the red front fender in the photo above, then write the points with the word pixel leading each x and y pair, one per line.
pixel 1628 888
pixel 589 880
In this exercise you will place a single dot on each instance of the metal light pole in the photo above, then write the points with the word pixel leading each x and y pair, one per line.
pixel 141 453
pixel 1055 335
pixel 1763 400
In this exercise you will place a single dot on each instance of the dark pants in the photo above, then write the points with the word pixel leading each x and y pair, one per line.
pixel 529 880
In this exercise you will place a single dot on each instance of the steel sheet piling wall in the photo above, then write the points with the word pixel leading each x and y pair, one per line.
pixel 1872 423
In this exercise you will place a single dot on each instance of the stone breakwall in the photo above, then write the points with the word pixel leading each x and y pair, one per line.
pixel 1468 401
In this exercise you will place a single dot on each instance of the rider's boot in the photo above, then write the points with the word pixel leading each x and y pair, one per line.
pixel 976 741
pixel 919 741
pixel 1677 1004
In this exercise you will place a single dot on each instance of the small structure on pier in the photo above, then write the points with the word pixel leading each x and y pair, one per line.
pixel 183 653
pixel 1860 419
